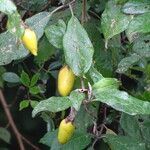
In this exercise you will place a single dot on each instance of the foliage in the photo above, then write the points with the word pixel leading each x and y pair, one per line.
pixel 107 47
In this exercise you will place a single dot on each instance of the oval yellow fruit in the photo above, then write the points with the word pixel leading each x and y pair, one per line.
pixel 65 131
pixel 66 80
pixel 29 40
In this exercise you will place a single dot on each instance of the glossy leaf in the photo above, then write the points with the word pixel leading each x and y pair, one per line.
pixel 34 79
pixel 55 34
pixel 127 62
pixel 137 127
pixel 49 137
pixel 76 99
pixel 11 77
pixel 53 104
pixel 24 104
pixel 11 49
pixel 7 6
pixel 131 126
pixel 136 7
pixel 38 23
pixel 142 46
pixel 25 80
pixel 106 83
pixel 95 75
pixel 102 59
pixel 122 101
pixel 84 120
pixel 78 141
pixel 14 24
pixel 5 135
pixel 140 50
pixel 45 51
pixel 124 143
pixel 140 24
pixel 33 103
pixel 34 90
pixel 78 48
pixel 113 20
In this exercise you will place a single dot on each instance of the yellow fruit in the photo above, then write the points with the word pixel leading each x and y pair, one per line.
pixel 66 80
pixel 65 131
pixel 29 40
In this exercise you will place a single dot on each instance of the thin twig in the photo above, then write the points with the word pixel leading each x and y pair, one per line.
pixel 102 126
pixel 94 14
pixel 89 112
pixel 29 143
pixel 11 121
pixel 89 91
pixel 71 10
pixel 82 83
pixel 72 114
pixel 84 15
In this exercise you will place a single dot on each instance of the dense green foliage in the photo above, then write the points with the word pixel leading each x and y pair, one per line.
pixel 106 43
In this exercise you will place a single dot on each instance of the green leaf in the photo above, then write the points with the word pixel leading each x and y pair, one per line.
pixel 14 24
pixel 25 80
pixel 24 104
pixel 78 48
pixel 140 24
pixel 53 104
pixel 76 99
pixel 49 137
pixel 144 124
pixel 102 59
pixel 38 23
pixel 5 135
pixel 113 20
pixel 142 46
pixel 9 48
pixel 46 50
pixel 122 101
pixel 55 34
pixel 33 103
pixel 127 62
pixel 95 75
pixel 141 50
pixel 123 143
pixel 34 90
pixel 84 120
pixel 79 141
pixel 131 126
pixel 106 83
pixel 11 77
pixel 55 65
pixel 136 7
pixel 34 79
pixel 7 6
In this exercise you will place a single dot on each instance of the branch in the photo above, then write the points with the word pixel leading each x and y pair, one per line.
pixel 29 143
pixel 13 126
pixel 84 15
pixel 11 121
pixel 72 114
